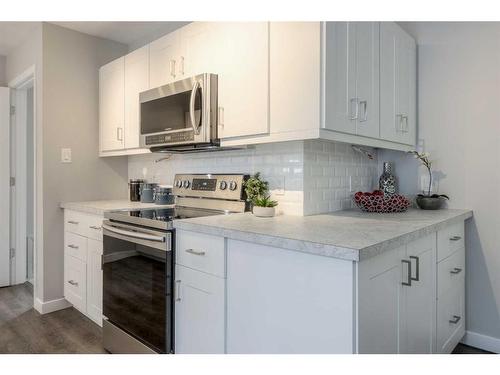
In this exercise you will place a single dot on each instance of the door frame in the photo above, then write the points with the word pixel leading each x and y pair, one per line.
pixel 19 96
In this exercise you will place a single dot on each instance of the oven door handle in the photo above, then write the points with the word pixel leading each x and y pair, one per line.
pixel 196 127
pixel 131 234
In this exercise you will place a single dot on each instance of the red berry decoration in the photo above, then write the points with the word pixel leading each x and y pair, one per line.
pixel 378 202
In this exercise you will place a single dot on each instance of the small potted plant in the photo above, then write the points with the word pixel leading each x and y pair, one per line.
pixel 257 192
pixel 428 201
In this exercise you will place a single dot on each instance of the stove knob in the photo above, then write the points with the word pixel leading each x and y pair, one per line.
pixel 186 184
pixel 178 183
pixel 223 185
pixel 233 185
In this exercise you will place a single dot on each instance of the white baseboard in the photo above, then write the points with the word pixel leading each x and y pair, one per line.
pixel 491 344
pixel 51 306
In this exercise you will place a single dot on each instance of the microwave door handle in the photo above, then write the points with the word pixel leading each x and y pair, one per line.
pixel 192 116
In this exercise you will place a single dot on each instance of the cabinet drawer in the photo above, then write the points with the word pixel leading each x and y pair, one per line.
pixel 75 246
pixel 94 227
pixel 450 318
pixel 75 222
pixel 450 239
pixel 201 252
pixel 75 282
pixel 451 271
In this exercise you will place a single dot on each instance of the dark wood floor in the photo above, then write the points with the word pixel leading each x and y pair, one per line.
pixel 465 349
pixel 24 331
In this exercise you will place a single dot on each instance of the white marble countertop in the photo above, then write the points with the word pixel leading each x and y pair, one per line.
pixel 100 207
pixel 350 235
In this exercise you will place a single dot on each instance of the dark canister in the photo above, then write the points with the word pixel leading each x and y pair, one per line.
pixel 163 195
pixel 147 192
pixel 134 187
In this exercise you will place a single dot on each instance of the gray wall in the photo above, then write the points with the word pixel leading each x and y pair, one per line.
pixel 3 80
pixel 71 119
pixel 164 28
pixel 458 101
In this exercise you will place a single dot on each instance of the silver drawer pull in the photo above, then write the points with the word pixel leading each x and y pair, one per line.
pixel 73 222
pixel 73 246
pixel 178 291
pixel 455 238
pixel 95 227
pixel 456 270
pixel 455 319
pixel 72 282
pixel 195 252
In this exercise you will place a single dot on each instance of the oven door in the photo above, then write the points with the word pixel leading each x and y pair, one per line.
pixel 180 113
pixel 137 288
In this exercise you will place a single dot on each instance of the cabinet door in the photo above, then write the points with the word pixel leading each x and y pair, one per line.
pixel 341 107
pixel 241 60
pixel 94 281
pixel 199 312
pixel 112 105
pixel 197 54
pixel 420 298
pixel 75 282
pixel 397 85
pixel 136 81
pixel 367 78
pixel 164 60
pixel 379 303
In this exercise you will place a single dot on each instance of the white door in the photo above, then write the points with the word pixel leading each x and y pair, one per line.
pixel 397 85
pixel 4 186
pixel 197 53
pixel 241 60
pixel 199 312
pixel 380 317
pixel 94 280
pixel 367 78
pixel 420 298
pixel 112 105
pixel 341 104
pixel 165 64
pixel 136 81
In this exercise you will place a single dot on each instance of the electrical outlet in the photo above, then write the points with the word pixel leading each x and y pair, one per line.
pixel 280 186
pixel 65 155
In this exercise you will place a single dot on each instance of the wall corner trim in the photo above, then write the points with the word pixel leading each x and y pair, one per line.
pixel 51 306
pixel 491 344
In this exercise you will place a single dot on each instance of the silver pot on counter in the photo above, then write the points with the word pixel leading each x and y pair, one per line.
pixel 163 195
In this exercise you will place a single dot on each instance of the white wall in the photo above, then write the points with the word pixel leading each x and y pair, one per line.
pixel 458 102
pixel 164 28
pixel 3 80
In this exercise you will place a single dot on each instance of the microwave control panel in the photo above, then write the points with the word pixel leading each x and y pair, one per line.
pixel 159 139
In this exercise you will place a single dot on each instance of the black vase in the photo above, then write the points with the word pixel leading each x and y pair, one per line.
pixel 387 181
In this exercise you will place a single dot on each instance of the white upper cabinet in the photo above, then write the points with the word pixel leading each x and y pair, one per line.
pixel 112 105
pixel 165 60
pixel 196 49
pixel 397 85
pixel 241 60
pixel 136 81
pixel 352 77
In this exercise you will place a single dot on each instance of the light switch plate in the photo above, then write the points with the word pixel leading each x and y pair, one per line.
pixel 65 155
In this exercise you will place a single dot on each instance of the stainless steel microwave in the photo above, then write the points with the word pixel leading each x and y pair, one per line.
pixel 180 116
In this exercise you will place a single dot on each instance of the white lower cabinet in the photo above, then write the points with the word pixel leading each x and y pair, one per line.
pixel 82 263
pixel 199 312
pixel 273 300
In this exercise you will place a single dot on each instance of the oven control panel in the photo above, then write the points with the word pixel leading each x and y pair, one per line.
pixel 218 186
pixel 159 139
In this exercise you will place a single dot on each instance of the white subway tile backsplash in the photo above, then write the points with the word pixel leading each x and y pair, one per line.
pixel 315 174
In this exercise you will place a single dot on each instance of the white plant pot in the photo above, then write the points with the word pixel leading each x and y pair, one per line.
pixel 264 211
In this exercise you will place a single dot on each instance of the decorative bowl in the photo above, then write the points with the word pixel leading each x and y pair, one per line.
pixel 369 202
pixel 430 203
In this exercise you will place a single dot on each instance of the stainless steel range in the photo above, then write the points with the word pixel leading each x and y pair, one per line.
pixel 138 261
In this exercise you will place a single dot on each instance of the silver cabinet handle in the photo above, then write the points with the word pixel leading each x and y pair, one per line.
pixel 455 319
pixel 408 282
pixel 195 252
pixel 196 127
pixel 455 238
pixel 417 268
pixel 364 110
pixel 178 290
pixel 73 222
pixel 172 68
pixel 95 227
pixel 73 246
pixel 456 270
pixel 181 66
pixel 356 106
pixel 405 118
pixel 119 134
pixel 221 116
pixel 72 282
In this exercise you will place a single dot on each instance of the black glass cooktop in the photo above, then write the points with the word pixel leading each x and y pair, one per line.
pixel 160 218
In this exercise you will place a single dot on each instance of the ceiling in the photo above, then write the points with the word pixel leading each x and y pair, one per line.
pixel 129 33
pixel 133 34
pixel 13 34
